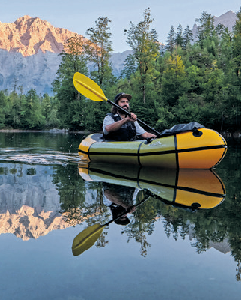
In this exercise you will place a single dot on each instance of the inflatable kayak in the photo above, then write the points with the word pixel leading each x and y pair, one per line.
pixel 186 188
pixel 200 148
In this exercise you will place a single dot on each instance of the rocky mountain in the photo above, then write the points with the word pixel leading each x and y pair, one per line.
pixel 36 71
pixel 228 20
pixel 39 71
pixel 29 54
pixel 30 47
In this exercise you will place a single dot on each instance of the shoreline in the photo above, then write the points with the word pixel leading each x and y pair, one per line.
pixel 54 131
pixel 225 134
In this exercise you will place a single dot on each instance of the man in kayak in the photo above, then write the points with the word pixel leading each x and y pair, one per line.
pixel 118 126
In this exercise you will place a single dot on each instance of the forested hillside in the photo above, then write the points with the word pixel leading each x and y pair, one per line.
pixel 183 81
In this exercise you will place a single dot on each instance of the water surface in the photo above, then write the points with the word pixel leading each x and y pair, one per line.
pixel 160 250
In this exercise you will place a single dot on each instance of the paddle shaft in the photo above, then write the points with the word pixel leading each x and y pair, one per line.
pixel 138 120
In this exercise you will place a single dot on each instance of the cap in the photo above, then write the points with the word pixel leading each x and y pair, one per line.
pixel 122 95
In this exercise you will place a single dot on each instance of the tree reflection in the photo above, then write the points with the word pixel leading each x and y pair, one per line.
pixel 79 200
pixel 102 242
pixel 142 223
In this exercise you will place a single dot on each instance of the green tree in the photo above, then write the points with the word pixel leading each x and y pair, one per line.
pixel 232 102
pixel 206 27
pixel 49 111
pixel 14 116
pixel 46 106
pixel 187 37
pixel 130 66
pixel 179 36
pixel 70 103
pixel 3 109
pixel 98 49
pixel 143 41
pixel 237 44
pixel 170 45
pixel 173 86
pixel 32 116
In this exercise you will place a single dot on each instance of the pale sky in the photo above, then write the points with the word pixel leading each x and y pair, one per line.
pixel 79 15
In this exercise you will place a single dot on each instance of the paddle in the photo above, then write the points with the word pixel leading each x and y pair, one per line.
pixel 91 90
pixel 86 239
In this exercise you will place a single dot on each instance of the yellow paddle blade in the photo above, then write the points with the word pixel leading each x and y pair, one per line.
pixel 86 239
pixel 87 87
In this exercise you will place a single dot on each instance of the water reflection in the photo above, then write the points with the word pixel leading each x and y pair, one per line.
pixel 195 211
pixel 40 196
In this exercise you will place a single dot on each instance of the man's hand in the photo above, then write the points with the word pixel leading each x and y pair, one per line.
pixel 148 135
pixel 131 118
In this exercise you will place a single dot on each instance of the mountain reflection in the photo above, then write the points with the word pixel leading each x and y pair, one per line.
pixel 30 199
pixel 29 202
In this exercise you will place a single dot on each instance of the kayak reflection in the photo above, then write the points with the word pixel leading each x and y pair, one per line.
pixel 123 184
pixel 190 188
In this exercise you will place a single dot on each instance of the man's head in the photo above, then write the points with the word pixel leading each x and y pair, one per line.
pixel 122 100
pixel 122 95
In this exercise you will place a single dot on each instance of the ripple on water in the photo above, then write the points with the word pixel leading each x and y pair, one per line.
pixel 49 157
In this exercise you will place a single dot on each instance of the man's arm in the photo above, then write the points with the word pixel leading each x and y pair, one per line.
pixel 140 131
pixel 110 125
pixel 116 125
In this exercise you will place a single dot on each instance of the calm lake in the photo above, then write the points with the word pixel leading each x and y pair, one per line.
pixel 58 240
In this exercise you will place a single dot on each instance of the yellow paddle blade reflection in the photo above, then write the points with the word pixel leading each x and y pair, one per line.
pixel 86 239
pixel 88 87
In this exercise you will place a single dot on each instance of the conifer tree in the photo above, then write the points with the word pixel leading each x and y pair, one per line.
pixel 3 109
pixel 206 27
pixel 70 103
pixel 33 118
pixel 170 45
pixel 233 100
pixel 98 48
pixel 187 37
pixel 130 66
pixel 179 36
pixel 146 48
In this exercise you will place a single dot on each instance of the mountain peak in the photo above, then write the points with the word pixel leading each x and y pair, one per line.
pixel 228 19
pixel 26 17
pixel 28 36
